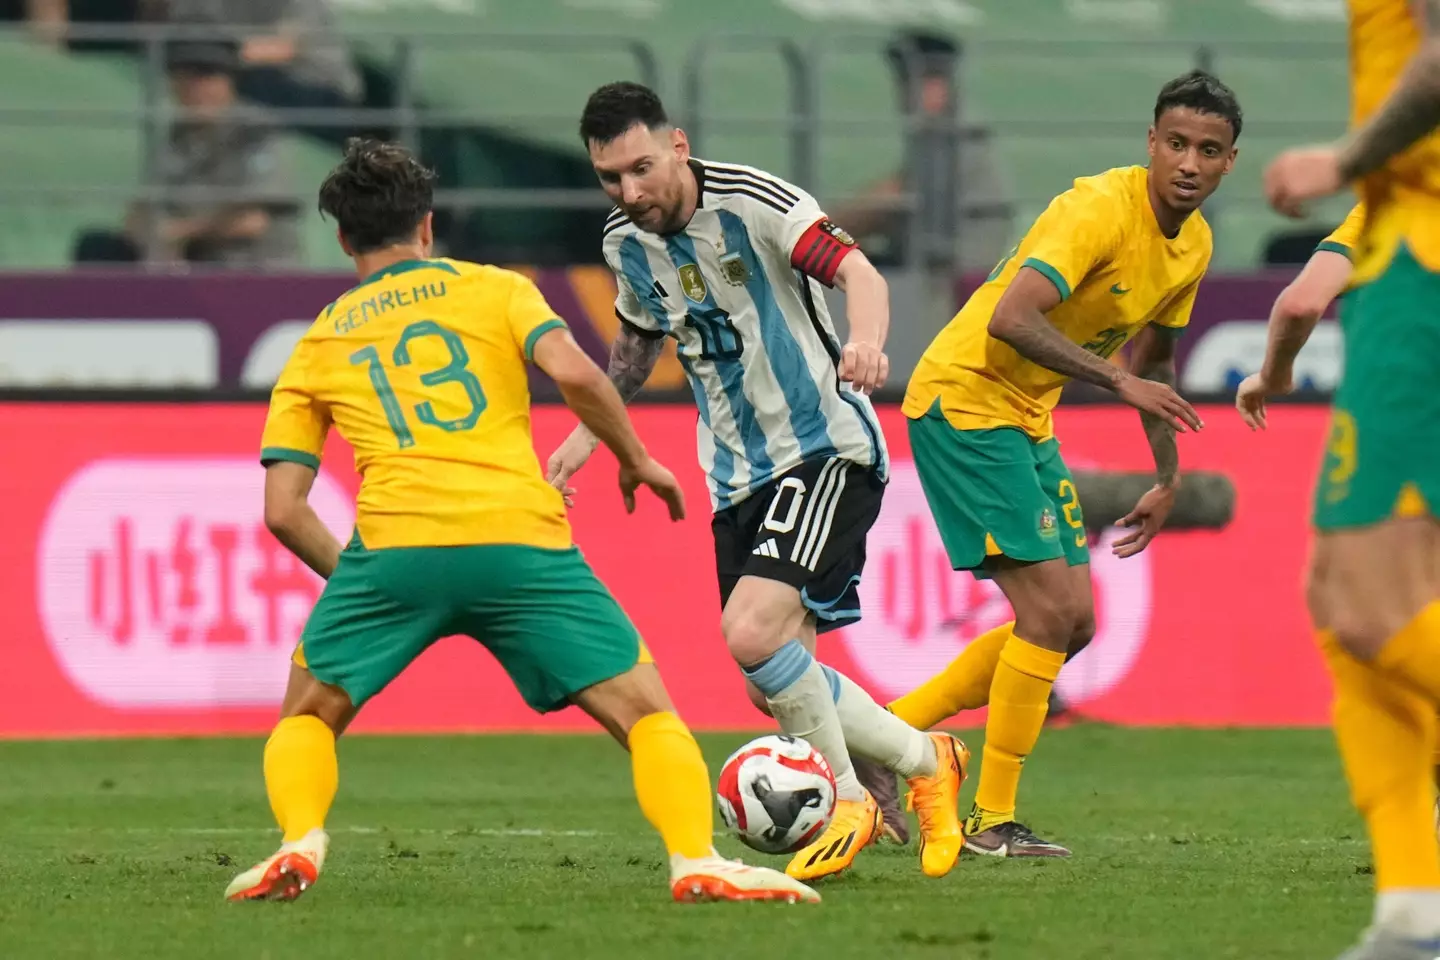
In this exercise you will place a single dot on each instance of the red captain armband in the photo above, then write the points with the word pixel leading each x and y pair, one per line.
pixel 820 249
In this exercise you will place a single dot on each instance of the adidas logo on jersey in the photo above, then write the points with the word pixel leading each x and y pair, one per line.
pixel 767 549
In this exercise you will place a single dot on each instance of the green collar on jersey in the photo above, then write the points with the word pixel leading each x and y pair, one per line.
pixel 405 266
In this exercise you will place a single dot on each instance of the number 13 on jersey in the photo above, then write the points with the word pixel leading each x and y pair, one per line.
pixel 456 371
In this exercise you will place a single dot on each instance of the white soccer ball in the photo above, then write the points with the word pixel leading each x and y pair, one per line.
pixel 777 793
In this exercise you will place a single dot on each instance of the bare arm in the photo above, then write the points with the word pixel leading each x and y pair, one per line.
pixel 1153 358
pixel 1019 321
pixel 632 358
pixel 595 400
pixel 1297 310
pixel 867 300
pixel 867 308
pixel 1292 320
pixel 294 522
pixel 600 408
pixel 1410 112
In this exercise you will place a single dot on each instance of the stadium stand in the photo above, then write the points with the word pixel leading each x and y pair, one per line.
pixel 1058 108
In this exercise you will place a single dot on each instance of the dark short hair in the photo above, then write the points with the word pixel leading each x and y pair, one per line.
pixel 378 194
pixel 206 57
pixel 616 107
pixel 929 54
pixel 1204 93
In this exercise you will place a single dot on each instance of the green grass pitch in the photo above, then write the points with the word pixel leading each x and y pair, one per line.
pixel 1188 844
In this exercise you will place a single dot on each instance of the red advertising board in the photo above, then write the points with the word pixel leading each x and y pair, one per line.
pixel 141 593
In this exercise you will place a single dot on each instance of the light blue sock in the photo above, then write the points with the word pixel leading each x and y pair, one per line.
pixel 802 701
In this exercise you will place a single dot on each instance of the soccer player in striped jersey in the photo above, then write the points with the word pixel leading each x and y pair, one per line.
pixel 726 259
pixel 421 368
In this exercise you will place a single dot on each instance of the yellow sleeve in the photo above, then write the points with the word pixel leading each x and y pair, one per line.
pixel 530 316
pixel 1176 313
pixel 1347 235
pixel 297 423
pixel 1078 232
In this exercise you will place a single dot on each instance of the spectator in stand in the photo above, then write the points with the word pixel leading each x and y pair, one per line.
pixel 292 54
pixel 49 20
pixel 216 144
pixel 949 166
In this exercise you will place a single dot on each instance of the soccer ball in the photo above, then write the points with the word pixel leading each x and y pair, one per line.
pixel 777 793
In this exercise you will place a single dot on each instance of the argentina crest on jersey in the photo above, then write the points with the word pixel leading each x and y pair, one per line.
pixel 756 342
pixel 733 268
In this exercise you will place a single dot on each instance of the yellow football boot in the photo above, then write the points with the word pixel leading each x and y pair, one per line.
pixel 854 827
pixel 936 802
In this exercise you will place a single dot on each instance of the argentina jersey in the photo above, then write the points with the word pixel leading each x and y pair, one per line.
pixel 753 333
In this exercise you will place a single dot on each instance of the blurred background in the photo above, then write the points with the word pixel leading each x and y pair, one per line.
pixel 180 137
pixel 160 253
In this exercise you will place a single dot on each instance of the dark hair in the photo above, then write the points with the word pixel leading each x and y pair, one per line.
pixel 377 195
pixel 1204 93
pixel 917 54
pixel 203 57
pixel 616 107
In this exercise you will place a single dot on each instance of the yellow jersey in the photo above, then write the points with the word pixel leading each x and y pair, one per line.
pixel 1345 238
pixel 1100 244
pixel 422 369
pixel 1402 198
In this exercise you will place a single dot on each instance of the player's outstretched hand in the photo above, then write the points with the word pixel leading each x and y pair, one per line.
pixel 567 460
pixel 1161 400
pixel 1251 396
pixel 1300 175
pixel 1147 518
pixel 662 483
pixel 864 365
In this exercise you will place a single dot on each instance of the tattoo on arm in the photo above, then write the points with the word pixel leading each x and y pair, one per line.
pixel 1159 432
pixel 1410 112
pixel 1037 340
pixel 632 358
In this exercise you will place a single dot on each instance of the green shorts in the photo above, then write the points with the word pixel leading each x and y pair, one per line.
pixel 1382 458
pixel 995 492
pixel 542 613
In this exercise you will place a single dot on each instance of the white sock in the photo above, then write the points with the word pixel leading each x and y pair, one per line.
pixel 314 845
pixel 874 732
pixel 1414 914
pixel 801 702
pixel 680 863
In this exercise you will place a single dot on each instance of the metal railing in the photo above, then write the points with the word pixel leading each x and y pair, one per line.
pixel 802 125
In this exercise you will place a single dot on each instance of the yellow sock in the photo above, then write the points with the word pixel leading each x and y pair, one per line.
pixel 1019 699
pixel 1413 654
pixel 302 774
pixel 963 685
pixel 672 784
pixel 1386 733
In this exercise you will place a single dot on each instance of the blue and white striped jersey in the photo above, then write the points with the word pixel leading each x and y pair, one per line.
pixel 753 333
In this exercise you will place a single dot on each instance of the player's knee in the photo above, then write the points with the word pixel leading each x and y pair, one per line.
pixel 1361 631
pixel 1049 623
pixel 1083 633
pixel 750 637
pixel 312 698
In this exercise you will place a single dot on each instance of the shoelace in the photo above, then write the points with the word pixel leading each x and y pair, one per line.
pixel 1018 831
pixel 928 808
